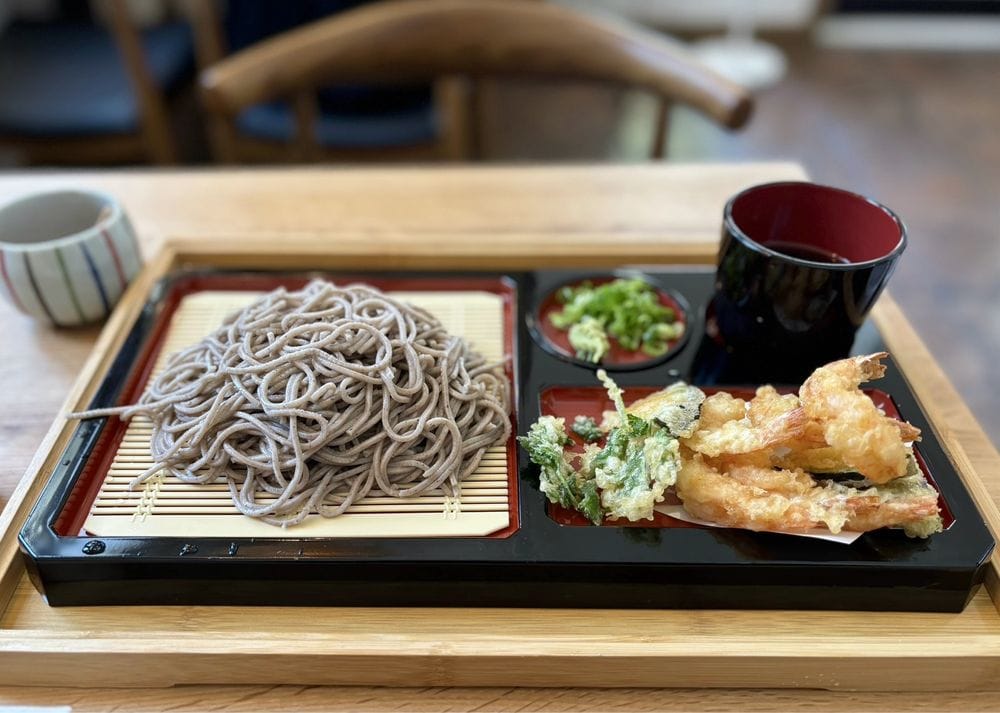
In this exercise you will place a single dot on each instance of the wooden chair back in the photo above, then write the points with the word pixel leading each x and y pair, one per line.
pixel 152 141
pixel 420 40
pixel 154 129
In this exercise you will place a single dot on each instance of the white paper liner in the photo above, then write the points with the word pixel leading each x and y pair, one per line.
pixel 678 512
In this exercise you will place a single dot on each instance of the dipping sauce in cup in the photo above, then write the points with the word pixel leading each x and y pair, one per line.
pixel 800 267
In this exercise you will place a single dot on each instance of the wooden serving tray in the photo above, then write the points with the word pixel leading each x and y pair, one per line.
pixel 144 646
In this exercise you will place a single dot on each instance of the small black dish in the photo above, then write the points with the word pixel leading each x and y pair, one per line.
pixel 556 341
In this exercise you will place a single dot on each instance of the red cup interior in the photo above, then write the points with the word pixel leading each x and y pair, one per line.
pixel 831 220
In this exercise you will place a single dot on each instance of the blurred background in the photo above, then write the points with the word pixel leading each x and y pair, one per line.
pixel 897 99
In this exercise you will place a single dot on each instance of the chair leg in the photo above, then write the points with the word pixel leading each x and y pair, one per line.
pixel 484 102
pixel 662 130
pixel 306 119
pixel 452 104
pixel 159 141
pixel 155 127
pixel 222 138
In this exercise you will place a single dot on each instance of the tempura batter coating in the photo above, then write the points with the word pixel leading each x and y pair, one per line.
pixel 868 441
pixel 730 426
pixel 759 498
pixel 791 500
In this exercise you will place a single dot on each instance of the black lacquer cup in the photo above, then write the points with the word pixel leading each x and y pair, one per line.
pixel 800 267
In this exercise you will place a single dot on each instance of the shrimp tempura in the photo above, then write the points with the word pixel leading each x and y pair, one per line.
pixel 856 430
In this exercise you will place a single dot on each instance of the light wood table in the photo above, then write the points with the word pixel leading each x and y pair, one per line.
pixel 533 213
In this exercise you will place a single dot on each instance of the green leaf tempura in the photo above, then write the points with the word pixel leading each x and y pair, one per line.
pixel 638 464
pixel 632 485
pixel 587 429
pixel 630 474
pixel 562 484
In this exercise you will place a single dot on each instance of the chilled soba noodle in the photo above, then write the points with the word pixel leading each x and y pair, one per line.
pixel 305 402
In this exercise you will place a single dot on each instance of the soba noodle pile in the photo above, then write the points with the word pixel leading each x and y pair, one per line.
pixel 305 402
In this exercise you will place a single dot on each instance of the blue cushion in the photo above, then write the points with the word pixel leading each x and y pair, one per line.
pixel 68 79
pixel 351 116
pixel 276 122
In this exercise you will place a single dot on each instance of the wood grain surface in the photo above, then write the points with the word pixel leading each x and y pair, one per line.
pixel 41 352
pixel 363 699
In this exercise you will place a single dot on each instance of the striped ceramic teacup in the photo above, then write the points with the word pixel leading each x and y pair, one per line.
pixel 66 256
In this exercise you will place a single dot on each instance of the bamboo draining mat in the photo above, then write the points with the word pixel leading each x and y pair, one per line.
pixel 165 507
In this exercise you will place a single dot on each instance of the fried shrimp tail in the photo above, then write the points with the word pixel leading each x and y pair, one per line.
pixel 757 498
pixel 857 431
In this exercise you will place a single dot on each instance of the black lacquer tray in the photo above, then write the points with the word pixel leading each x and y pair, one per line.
pixel 540 562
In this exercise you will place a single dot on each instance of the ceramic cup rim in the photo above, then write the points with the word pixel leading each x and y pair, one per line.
pixel 114 216
pixel 731 226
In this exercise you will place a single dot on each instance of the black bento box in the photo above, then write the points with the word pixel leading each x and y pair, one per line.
pixel 537 562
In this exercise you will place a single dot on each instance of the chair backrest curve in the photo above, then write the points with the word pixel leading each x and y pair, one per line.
pixel 414 40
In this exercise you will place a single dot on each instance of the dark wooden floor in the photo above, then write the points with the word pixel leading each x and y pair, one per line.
pixel 918 131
